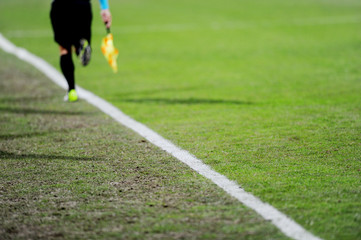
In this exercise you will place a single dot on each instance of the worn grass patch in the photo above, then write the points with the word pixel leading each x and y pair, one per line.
pixel 68 171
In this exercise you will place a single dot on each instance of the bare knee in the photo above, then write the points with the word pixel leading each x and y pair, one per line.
pixel 63 51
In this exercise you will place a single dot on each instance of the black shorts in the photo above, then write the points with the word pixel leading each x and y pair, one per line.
pixel 71 21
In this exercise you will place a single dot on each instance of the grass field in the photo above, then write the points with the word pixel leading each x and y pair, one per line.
pixel 68 171
pixel 265 92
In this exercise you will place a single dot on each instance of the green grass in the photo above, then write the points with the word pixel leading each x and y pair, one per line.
pixel 266 92
pixel 70 172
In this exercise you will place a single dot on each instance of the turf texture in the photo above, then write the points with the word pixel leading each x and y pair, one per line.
pixel 266 92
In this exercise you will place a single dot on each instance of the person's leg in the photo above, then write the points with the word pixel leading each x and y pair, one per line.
pixel 61 23
pixel 67 66
pixel 82 34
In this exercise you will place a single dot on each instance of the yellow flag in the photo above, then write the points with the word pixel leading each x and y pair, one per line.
pixel 110 52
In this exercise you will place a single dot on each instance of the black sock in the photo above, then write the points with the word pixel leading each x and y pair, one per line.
pixel 67 67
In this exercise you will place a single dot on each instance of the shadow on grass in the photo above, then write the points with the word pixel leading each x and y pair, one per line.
pixel 189 101
pixel 24 135
pixel 40 111
pixel 159 90
pixel 25 99
pixel 186 101
pixel 14 156
pixel 33 134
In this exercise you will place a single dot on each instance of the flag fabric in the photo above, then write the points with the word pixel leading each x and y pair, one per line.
pixel 110 52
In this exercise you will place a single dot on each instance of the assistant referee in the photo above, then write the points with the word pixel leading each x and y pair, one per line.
pixel 71 21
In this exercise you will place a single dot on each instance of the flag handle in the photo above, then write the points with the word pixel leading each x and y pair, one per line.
pixel 107 28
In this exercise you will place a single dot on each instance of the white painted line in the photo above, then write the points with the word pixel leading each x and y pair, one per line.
pixel 289 227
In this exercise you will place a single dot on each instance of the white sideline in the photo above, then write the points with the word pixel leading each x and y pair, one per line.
pixel 289 227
